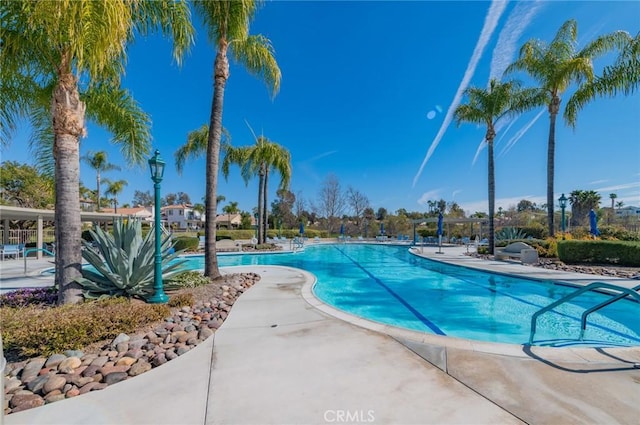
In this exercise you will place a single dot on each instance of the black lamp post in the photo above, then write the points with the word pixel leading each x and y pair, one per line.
pixel 156 164
pixel 563 205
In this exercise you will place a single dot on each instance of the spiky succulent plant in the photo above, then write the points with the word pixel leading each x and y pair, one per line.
pixel 124 262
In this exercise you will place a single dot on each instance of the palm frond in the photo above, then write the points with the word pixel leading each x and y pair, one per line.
pixel 172 18
pixel 257 55
pixel 195 146
pixel 115 109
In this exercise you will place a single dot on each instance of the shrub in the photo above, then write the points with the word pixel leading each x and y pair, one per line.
pixel 185 243
pixel 30 296
pixel 181 300
pixel 618 233
pixel 188 279
pixel 601 252
pixel 425 233
pixel 536 231
pixel 31 331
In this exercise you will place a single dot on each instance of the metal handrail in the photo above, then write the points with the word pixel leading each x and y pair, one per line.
pixel 34 250
pixel 592 286
pixel 626 292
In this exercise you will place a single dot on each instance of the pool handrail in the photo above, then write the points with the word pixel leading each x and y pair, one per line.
pixel 624 292
pixel 34 250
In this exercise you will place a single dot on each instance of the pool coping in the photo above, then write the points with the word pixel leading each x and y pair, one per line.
pixel 439 342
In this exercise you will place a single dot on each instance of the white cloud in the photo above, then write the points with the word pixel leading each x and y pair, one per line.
pixel 427 196
pixel 619 187
pixel 455 192
pixel 598 182
pixel 490 22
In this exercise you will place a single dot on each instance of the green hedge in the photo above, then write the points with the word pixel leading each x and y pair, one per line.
pixel 186 243
pixel 601 252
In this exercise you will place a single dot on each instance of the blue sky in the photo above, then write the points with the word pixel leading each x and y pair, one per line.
pixel 367 93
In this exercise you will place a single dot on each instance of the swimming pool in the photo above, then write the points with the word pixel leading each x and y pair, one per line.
pixel 389 285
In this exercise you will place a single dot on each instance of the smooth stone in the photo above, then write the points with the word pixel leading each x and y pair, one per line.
pixel 54 360
pixel 55 382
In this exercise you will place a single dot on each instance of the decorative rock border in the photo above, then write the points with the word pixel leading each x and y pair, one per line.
pixel 37 381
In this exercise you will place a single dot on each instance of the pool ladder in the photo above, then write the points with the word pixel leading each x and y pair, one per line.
pixel 617 293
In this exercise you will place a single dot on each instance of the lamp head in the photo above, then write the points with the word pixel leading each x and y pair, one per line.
pixel 563 201
pixel 156 165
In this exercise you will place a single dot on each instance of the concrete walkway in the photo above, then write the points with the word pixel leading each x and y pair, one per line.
pixel 279 359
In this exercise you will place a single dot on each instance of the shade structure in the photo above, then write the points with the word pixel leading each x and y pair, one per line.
pixel 593 223
pixel 342 229
pixel 440 218
pixel 301 228
pixel 382 228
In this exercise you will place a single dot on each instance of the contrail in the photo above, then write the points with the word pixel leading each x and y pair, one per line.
pixel 521 133
pixel 504 53
pixel 490 23
pixel 518 21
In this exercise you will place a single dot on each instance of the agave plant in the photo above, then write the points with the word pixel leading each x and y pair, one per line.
pixel 510 233
pixel 124 262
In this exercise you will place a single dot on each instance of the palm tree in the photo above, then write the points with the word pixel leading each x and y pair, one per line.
pixel 232 208
pixel 581 202
pixel 613 197
pixel 98 161
pixel 487 106
pixel 227 23
pixel 623 75
pixel 555 67
pixel 114 188
pixel 61 65
pixel 259 159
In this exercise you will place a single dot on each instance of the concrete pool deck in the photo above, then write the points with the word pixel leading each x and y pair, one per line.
pixel 279 359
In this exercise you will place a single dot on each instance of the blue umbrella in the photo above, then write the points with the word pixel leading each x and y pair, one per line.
pixel 440 218
pixel 382 228
pixel 302 228
pixel 593 223
pixel 342 229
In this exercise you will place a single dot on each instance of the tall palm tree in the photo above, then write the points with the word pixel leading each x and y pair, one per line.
pixel 487 106
pixel 114 188
pixel 623 76
pixel 98 161
pixel 61 65
pixel 227 23
pixel 555 67
pixel 259 160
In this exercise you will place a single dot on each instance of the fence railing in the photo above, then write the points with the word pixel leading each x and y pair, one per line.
pixel 18 236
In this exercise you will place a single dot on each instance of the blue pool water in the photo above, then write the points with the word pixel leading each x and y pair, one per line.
pixel 389 285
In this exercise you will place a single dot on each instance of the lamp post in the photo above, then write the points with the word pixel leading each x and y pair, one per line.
pixel 563 205
pixel 156 164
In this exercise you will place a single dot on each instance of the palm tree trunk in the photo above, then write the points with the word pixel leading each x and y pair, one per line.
pixel 221 74
pixel 554 107
pixel 261 228
pixel 68 125
pixel 98 190
pixel 265 209
pixel 492 195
